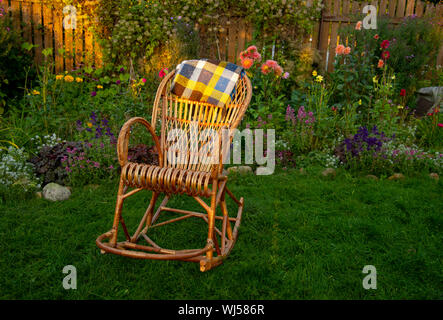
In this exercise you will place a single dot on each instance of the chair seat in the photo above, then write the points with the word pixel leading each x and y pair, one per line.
pixel 167 179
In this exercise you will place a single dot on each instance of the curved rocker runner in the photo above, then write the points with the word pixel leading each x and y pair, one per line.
pixel 198 180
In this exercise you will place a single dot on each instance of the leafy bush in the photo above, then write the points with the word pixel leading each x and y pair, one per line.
pixel 141 153
pixel 48 162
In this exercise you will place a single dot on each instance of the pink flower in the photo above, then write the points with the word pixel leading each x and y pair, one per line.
pixel 144 80
pixel 252 49
pixel 347 50
pixel 162 73
pixel 358 25
pixel 286 75
pixel 440 125
pixel 271 63
pixel 376 37
pixel 340 49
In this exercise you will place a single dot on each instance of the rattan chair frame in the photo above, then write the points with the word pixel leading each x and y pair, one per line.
pixel 198 180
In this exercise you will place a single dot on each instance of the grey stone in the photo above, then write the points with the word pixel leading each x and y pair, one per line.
pixel 434 176
pixel 55 192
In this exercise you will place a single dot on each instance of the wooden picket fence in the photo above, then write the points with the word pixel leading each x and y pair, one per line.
pixel 42 26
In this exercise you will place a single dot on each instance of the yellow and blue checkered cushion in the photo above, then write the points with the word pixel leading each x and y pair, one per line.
pixel 206 81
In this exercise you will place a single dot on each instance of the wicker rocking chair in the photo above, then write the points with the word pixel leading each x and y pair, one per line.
pixel 198 180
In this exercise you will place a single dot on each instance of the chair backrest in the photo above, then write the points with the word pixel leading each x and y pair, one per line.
pixel 178 116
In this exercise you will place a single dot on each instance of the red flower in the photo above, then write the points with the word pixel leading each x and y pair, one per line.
pixel 402 92
pixel 163 72
pixel 440 125
pixel 376 37
pixel 385 55
pixel 430 114
pixel 384 44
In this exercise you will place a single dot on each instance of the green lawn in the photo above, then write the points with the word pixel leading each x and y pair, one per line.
pixel 302 237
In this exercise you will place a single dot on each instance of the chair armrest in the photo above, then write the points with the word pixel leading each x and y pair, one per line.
pixel 123 140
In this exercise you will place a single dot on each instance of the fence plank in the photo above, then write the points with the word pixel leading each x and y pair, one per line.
pixel 69 50
pixel 334 36
pixel 15 12
pixel 383 7
pixel 420 8
pixel 89 47
pixel 58 40
pixel 27 21
pixel 37 19
pixel 324 34
pixel 78 43
pixel 410 7
pixel 392 6
pixel 400 12
pixel 232 42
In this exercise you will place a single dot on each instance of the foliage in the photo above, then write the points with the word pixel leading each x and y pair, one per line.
pixel 48 162
pixel 133 29
pixel 141 153
pixel 430 129
pixel 15 62
pixel 413 48
pixel 373 152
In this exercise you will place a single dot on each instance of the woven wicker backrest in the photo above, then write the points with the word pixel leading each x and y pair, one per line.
pixel 177 116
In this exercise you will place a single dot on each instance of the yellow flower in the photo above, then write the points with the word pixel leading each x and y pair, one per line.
pixel 359 102
pixel 400 107
pixel 314 73
pixel 393 77
pixel 69 78
pixel 59 77
pixel 89 124
pixel 99 87
pixel 35 92
pixel 79 79
pixel 319 79
pixel 375 80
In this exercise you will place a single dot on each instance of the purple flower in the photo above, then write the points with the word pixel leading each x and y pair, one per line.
pixel 122 69
pixel 93 94
pixel 118 82
pixel 301 114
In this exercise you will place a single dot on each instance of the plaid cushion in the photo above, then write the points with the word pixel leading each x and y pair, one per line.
pixel 206 81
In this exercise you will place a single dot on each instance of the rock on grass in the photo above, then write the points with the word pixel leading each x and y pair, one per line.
pixel 55 192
